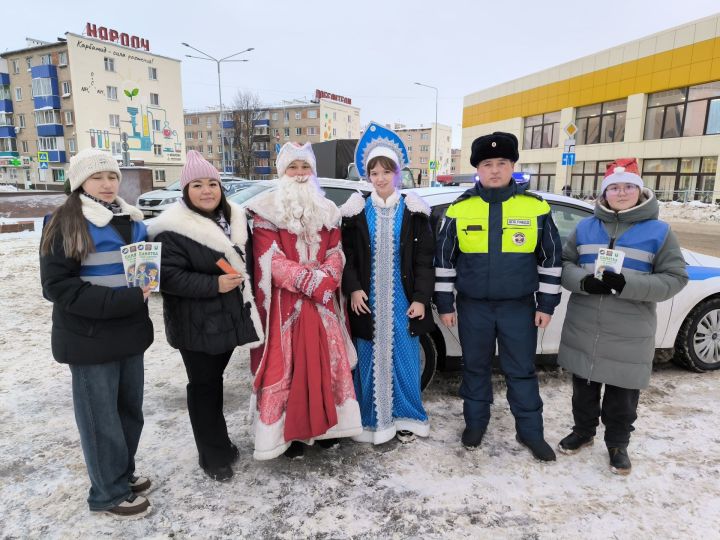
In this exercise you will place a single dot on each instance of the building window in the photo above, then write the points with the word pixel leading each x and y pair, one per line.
pixel 25 147
pixel 6 119
pixel 68 118
pixel 16 66
pixel 160 175
pixel 287 132
pixel 423 161
pixel 114 120
pixel 209 136
pixel 66 88
pixel 188 121
pixel 62 58
pixel 409 136
pixel 274 116
pixel 157 149
pixel 586 177
pixel 189 135
pixel 28 61
pixel 21 120
pixel 424 136
pixel 684 112
pixel 72 146
pixel 18 94
pixel 601 123
pixel 46 59
pixel 109 64
pixel 334 115
pixel 48 116
pixel 334 132
pixel 200 149
pixel 312 130
pixel 424 148
pixel 298 131
pixel 154 99
pixel 111 92
pixel 58 175
pixel 349 119
pixel 298 115
pixel 209 152
pixel 409 148
pixel 8 145
pixel 156 125
pixel 152 73
pixel 115 148
pixel 41 87
pixel 312 113
pixel 542 131
pixel 542 175
pixel 684 179
pixel 286 115
pixel 47 143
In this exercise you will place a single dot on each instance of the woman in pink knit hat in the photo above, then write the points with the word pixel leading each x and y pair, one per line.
pixel 207 312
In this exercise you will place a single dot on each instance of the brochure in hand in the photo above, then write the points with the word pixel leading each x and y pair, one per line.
pixel 610 260
pixel 142 264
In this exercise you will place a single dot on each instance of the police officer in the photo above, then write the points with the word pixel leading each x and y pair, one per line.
pixel 498 247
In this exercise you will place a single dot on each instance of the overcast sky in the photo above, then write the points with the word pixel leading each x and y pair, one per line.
pixel 370 51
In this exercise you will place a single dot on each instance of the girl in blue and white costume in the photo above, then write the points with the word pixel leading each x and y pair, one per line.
pixel 389 280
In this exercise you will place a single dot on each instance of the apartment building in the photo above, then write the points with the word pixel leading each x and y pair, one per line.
pixel 86 91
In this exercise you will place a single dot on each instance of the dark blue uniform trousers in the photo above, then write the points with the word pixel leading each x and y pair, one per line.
pixel 512 324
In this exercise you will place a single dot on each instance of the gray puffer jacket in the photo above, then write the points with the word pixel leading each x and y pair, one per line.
pixel 611 338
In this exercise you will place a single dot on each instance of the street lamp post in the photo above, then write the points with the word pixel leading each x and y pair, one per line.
pixel 437 132
pixel 218 61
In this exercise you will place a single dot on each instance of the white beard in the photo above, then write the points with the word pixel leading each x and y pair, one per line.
pixel 301 207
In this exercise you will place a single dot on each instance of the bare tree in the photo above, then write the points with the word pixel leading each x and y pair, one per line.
pixel 246 109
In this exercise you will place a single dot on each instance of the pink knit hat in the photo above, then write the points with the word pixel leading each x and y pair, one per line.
pixel 197 167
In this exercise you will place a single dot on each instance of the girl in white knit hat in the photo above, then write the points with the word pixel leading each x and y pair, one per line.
pixel 100 327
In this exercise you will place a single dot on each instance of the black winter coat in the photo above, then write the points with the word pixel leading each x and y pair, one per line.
pixel 416 259
pixel 92 324
pixel 197 316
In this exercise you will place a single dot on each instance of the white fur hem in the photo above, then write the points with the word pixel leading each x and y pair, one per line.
pixel 421 429
pixel 270 439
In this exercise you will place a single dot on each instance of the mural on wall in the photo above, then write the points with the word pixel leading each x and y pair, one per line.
pixel 327 127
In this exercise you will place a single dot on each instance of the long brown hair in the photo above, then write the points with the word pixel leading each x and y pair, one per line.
pixel 68 224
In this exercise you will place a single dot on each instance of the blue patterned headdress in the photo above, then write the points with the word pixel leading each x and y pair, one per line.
pixel 379 141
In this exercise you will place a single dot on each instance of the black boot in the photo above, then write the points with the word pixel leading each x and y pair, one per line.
pixel 573 443
pixel 539 448
pixel 296 450
pixel 472 437
pixel 220 473
pixel 328 443
pixel 234 453
pixel 619 461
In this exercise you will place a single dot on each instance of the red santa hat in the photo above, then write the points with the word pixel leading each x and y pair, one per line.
pixel 622 171
pixel 292 151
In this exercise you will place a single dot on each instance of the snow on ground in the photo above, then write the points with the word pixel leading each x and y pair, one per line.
pixel 7 187
pixel 694 212
pixel 431 488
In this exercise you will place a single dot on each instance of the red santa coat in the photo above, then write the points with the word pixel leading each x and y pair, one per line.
pixel 303 384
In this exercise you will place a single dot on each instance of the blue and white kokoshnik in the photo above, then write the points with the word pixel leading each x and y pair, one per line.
pixel 376 137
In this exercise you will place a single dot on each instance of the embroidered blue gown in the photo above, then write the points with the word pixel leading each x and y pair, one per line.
pixel 387 376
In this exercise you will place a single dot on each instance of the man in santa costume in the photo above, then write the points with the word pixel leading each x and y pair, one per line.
pixel 303 384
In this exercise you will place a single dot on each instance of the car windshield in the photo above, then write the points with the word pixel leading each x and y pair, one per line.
pixel 175 186
pixel 245 194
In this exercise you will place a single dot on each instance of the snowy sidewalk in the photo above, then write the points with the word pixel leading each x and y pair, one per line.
pixel 431 488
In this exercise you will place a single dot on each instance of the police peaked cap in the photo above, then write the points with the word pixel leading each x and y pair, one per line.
pixel 496 145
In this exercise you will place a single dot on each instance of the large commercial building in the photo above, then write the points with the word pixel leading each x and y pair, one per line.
pixel 657 99
pixel 325 118
pixel 87 91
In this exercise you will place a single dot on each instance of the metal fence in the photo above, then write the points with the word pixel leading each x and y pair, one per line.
pixel 683 196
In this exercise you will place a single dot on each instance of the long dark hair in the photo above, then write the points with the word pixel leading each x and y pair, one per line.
pixel 68 223
pixel 223 206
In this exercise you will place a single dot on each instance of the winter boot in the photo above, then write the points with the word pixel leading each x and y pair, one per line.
pixel 573 443
pixel 327 444
pixel 139 483
pixel 133 507
pixel 296 450
pixel 472 437
pixel 619 461
pixel 405 436
pixel 539 448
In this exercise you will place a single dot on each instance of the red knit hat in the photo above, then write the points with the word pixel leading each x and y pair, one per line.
pixel 622 171
pixel 197 167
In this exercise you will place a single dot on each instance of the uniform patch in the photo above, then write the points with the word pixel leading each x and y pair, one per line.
pixel 519 222
pixel 518 238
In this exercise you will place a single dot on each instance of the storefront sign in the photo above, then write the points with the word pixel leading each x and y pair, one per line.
pixel 320 94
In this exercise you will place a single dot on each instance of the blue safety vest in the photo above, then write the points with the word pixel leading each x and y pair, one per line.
pixel 104 265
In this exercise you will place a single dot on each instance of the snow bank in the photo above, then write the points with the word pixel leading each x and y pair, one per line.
pixel 6 187
pixel 431 488
pixel 692 212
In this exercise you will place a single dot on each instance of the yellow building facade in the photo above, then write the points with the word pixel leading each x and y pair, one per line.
pixel 656 99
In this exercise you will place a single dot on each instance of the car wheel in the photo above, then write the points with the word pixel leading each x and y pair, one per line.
pixel 697 346
pixel 428 360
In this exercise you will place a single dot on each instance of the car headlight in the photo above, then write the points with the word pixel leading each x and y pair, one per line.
pixel 170 200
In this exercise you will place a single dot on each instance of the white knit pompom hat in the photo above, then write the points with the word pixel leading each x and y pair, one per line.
pixel 292 151
pixel 88 162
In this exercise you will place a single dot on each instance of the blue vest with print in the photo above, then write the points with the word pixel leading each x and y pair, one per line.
pixel 640 243
pixel 104 265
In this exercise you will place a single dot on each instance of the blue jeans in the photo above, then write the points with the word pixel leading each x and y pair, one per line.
pixel 108 410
